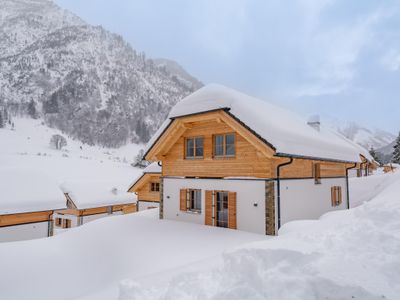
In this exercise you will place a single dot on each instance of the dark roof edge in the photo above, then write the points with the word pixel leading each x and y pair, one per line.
pixel 314 158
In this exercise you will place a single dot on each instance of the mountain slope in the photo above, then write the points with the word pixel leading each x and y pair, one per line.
pixel 82 79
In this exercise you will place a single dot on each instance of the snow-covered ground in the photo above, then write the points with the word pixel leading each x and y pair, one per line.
pixel 28 148
pixel 351 254
pixel 345 255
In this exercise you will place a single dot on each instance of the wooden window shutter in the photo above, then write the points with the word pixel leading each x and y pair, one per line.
pixel 317 173
pixel 183 200
pixel 333 196
pixel 339 195
pixel 209 208
pixel 232 210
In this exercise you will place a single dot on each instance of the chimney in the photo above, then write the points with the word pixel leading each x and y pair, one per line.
pixel 314 122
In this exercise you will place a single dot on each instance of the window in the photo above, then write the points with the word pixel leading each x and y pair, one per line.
pixel 190 200
pixel 66 223
pixel 194 147
pixel 224 145
pixel 194 200
pixel 336 195
pixel 154 187
pixel 317 173
pixel 58 222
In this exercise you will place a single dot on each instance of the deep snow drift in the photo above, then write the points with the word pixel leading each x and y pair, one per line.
pixel 345 255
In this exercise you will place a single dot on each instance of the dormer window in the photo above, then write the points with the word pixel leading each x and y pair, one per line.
pixel 224 145
pixel 194 147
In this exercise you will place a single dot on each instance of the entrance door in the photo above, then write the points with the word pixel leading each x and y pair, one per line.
pixel 222 209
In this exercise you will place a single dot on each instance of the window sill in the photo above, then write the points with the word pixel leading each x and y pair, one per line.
pixel 225 157
pixel 194 158
pixel 193 212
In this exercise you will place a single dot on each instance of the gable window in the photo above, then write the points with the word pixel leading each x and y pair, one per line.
pixel 194 147
pixel 317 173
pixel 336 195
pixel 224 145
pixel 190 200
pixel 154 187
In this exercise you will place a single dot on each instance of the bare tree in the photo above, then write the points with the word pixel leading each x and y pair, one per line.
pixel 58 141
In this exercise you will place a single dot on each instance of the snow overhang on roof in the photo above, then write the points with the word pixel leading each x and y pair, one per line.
pixel 24 191
pixel 286 132
pixel 92 194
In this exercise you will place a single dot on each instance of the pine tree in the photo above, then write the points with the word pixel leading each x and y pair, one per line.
pixel 32 112
pixel 396 153
pixel 2 120
pixel 375 155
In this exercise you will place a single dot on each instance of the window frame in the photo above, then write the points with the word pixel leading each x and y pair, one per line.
pixel 336 196
pixel 195 156
pixel 58 222
pixel 224 147
pixel 156 186
pixel 190 200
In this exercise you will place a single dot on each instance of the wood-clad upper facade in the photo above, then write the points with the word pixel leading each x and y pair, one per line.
pixel 252 156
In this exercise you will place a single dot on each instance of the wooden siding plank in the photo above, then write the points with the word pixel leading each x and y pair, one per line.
pixel 209 208
pixel 232 224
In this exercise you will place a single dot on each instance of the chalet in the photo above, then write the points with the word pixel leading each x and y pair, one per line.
pixel 391 167
pixel 147 187
pixel 88 201
pixel 231 160
pixel 27 203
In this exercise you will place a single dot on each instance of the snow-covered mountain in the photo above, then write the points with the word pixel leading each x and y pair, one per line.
pixel 367 138
pixel 82 79
pixel 362 135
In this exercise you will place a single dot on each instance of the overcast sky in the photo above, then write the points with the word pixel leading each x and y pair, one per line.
pixel 335 57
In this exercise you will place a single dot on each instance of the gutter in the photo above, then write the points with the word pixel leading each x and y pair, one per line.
pixel 278 180
pixel 347 184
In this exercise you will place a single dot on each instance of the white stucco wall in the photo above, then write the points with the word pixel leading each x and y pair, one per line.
pixel 303 199
pixel 90 218
pixel 249 217
pixel 24 232
pixel 144 205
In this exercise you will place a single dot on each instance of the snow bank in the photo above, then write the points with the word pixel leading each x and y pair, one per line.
pixel 28 191
pixel 87 259
pixel 288 133
pixel 89 194
pixel 345 255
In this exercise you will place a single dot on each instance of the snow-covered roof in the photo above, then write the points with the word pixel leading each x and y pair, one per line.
pixel 92 194
pixel 288 133
pixel 24 191
pixel 150 169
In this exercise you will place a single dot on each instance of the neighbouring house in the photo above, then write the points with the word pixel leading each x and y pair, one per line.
pixel 88 201
pixel 147 187
pixel 231 160
pixel 27 203
pixel 391 167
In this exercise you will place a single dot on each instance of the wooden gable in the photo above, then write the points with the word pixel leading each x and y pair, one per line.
pixel 143 187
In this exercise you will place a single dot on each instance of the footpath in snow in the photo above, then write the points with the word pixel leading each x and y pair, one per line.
pixel 351 254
